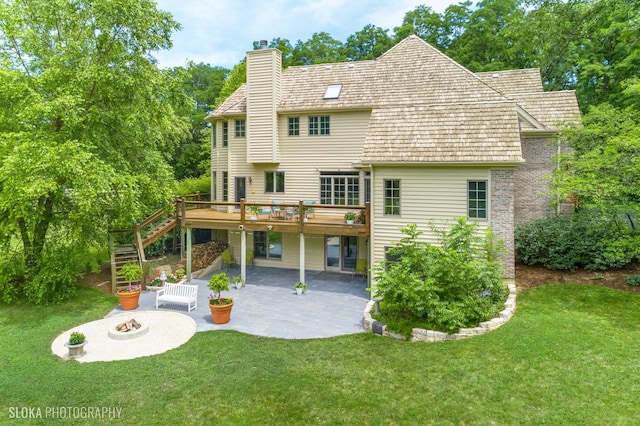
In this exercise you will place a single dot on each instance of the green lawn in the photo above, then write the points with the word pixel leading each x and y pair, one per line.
pixel 570 355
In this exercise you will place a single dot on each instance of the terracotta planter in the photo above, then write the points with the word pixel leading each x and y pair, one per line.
pixel 220 314
pixel 128 301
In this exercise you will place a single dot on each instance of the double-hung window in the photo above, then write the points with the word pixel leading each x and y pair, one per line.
pixel 294 126
pixel 319 125
pixel 240 128
pixel 214 185
pixel 225 133
pixel 392 197
pixel 273 182
pixel 477 198
pixel 225 186
pixel 340 188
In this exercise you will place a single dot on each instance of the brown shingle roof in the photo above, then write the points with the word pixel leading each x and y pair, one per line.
pixel 551 108
pixel 425 106
pixel 513 81
pixel 454 133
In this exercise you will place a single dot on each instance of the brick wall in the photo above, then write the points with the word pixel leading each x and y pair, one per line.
pixel 531 187
pixel 502 215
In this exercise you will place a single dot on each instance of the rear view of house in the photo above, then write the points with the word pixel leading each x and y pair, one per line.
pixel 410 137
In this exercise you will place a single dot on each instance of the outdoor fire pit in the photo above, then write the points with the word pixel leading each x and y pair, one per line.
pixel 129 329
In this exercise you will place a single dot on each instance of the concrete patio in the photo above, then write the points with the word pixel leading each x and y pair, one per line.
pixel 268 305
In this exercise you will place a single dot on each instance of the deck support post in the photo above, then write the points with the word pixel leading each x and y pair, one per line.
pixel 302 262
pixel 243 256
pixel 189 232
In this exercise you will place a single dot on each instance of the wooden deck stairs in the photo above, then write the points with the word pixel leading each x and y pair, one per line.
pixel 120 256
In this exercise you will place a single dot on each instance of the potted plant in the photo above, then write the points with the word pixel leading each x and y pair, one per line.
pixel 76 344
pixel 254 210
pixel 180 273
pixel 300 287
pixel 130 295
pixel 219 306
pixel 237 281
pixel 350 217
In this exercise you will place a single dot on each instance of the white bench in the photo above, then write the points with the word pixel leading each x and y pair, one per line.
pixel 184 294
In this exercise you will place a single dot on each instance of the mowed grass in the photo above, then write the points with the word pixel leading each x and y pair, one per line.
pixel 570 355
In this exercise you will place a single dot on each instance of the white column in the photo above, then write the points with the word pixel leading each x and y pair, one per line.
pixel 189 232
pixel 302 262
pixel 243 256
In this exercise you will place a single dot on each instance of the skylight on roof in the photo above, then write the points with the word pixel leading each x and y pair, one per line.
pixel 333 91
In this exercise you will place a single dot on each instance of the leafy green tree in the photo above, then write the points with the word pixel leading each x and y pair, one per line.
pixel 237 77
pixel 84 116
pixel 202 82
pixel 368 43
pixel 426 24
pixel 321 48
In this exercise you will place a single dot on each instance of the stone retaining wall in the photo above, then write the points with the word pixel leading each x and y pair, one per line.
pixel 422 335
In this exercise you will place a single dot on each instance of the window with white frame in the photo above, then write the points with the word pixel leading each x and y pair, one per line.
pixel 214 185
pixel 215 134
pixel 340 188
pixel 273 182
pixel 225 133
pixel 240 128
pixel 225 186
pixel 477 199
pixel 294 126
pixel 392 197
pixel 319 125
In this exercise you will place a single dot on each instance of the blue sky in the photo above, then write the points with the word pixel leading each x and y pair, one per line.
pixel 219 32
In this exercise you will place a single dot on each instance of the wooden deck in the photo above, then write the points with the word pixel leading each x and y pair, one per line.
pixel 325 220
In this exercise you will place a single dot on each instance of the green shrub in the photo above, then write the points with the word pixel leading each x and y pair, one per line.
pixel 192 185
pixel 54 282
pixel 76 338
pixel 11 273
pixel 633 280
pixel 456 284
pixel 582 240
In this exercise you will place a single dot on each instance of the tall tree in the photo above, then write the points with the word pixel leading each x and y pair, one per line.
pixel 368 43
pixel 202 83
pixel 85 114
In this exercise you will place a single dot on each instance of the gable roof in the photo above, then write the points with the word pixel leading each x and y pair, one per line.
pixel 425 106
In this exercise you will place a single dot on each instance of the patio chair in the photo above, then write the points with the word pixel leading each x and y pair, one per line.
pixel 309 211
pixel 277 212
pixel 227 260
pixel 361 268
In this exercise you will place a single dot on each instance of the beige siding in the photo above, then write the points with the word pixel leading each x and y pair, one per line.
pixel 263 82
pixel 426 194
pixel 304 157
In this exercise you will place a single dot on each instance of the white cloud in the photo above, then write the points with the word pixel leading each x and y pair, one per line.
pixel 219 32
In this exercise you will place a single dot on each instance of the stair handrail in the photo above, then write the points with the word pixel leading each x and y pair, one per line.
pixel 137 242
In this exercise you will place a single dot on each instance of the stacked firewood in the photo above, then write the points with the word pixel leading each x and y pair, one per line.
pixel 128 326
pixel 203 255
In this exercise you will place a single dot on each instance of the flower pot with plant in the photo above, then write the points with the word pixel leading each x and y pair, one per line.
pixel 219 306
pixel 237 281
pixel 130 295
pixel 350 217
pixel 254 210
pixel 76 344
pixel 300 287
